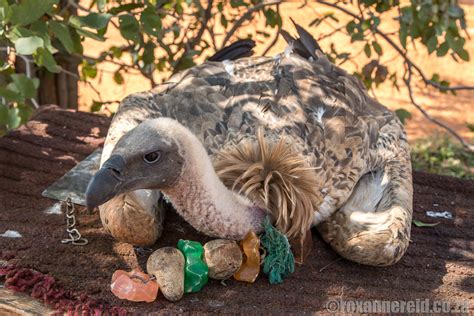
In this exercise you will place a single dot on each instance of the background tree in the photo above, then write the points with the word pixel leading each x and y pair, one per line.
pixel 42 42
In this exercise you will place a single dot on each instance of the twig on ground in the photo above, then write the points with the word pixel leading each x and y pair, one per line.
pixel 329 264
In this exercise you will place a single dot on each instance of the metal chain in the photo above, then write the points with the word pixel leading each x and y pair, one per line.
pixel 75 236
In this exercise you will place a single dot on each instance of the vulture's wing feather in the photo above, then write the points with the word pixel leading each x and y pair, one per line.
pixel 305 45
pixel 308 41
pixel 239 49
pixel 296 44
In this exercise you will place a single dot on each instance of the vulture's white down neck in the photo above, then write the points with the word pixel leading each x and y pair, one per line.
pixel 200 197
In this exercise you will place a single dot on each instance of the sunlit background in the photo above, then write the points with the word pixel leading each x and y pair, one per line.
pixel 456 110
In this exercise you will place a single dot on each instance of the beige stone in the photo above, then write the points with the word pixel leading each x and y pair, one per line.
pixel 167 265
pixel 223 257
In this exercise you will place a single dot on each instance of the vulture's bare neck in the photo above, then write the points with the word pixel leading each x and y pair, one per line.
pixel 204 201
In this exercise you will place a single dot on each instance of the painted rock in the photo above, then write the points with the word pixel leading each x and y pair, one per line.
pixel 167 265
pixel 134 286
pixel 250 267
pixel 196 273
pixel 223 258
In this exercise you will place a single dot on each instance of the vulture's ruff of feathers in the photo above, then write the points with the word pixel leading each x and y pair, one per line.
pixel 275 175
pixel 295 135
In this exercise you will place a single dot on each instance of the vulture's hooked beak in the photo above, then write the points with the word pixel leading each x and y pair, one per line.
pixel 106 183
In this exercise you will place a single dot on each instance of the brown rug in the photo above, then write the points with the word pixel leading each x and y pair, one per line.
pixel 439 264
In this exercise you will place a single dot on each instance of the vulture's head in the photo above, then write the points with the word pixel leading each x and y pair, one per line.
pixel 147 157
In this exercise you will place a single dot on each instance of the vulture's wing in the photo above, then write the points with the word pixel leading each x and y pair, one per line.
pixel 225 102
pixel 316 103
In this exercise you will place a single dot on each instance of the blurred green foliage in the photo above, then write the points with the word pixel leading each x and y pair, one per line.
pixel 168 35
pixel 403 115
pixel 439 154
pixel 435 23
pixel 161 35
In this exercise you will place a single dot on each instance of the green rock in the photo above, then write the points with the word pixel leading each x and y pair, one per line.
pixel 196 272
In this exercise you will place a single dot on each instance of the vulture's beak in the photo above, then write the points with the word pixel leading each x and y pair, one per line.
pixel 106 183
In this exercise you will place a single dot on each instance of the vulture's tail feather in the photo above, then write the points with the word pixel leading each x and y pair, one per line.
pixel 239 49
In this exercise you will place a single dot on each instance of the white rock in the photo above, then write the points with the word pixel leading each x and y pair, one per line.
pixel 11 234
pixel 167 265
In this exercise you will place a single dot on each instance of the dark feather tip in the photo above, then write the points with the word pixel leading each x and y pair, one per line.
pixel 239 49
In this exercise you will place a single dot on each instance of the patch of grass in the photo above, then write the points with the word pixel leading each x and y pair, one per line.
pixel 440 154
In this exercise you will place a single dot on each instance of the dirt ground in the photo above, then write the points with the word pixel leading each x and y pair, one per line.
pixel 438 265
pixel 453 110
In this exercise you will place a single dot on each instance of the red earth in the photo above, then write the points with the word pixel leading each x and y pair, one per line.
pixel 438 266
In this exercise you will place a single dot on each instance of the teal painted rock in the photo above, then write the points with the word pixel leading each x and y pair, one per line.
pixel 196 272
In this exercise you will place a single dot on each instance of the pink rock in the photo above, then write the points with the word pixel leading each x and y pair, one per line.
pixel 134 286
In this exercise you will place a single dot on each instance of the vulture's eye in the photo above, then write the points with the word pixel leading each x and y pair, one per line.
pixel 152 157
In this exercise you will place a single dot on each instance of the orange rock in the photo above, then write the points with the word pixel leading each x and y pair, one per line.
pixel 250 267
pixel 301 247
pixel 134 286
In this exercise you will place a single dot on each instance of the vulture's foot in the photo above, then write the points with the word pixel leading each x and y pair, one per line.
pixel 373 227
pixel 142 251
pixel 135 217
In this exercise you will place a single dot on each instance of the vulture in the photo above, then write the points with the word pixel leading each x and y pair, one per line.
pixel 238 139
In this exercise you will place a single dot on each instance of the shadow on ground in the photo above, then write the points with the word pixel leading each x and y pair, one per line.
pixel 438 264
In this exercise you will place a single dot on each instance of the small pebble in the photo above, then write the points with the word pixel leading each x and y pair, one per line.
pixel 444 214
pixel 11 234
pixel 214 303
pixel 223 257
pixel 167 265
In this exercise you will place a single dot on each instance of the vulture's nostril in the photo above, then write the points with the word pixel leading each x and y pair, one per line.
pixel 115 172
pixel 115 164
